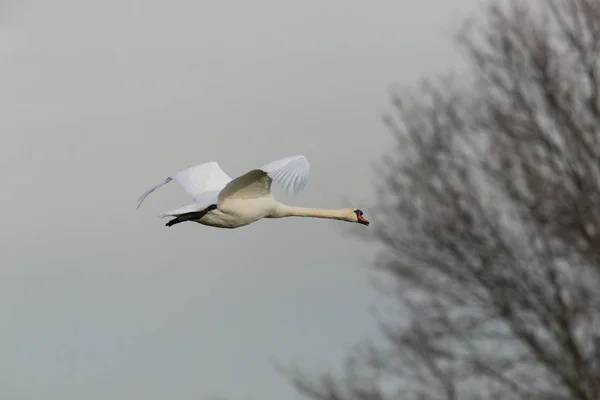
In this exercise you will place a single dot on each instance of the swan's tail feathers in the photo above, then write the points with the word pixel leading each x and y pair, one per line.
pixel 195 207
pixel 152 189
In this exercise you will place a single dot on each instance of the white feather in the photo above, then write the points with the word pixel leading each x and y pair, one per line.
pixel 201 182
pixel 199 179
pixel 183 210
pixel 290 172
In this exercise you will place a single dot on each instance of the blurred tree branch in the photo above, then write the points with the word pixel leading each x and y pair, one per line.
pixel 489 212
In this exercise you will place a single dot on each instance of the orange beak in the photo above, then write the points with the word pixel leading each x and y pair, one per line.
pixel 362 220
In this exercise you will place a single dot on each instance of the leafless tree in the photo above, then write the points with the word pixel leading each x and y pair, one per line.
pixel 489 214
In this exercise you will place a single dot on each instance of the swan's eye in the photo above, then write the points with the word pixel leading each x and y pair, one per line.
pixel 358 212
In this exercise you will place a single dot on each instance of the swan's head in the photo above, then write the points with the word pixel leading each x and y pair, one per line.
pixel 358 214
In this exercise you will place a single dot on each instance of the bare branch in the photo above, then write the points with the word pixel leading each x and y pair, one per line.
pixel 489 215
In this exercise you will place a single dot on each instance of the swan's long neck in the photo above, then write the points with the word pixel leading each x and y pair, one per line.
pixel 283 210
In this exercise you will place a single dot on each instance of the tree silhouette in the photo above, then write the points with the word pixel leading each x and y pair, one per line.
pixel 489 213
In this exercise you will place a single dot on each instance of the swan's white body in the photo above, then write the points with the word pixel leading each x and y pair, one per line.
pixel 223 202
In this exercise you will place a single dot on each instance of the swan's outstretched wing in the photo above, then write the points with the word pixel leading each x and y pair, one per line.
pixel 201 182
pixel 289 172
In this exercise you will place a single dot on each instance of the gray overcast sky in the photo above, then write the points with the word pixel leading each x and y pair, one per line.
pixel 100 100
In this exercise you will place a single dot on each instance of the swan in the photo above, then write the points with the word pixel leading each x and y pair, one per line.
pixel 222 202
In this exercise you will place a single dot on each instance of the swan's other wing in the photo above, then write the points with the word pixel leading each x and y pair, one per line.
pixel 201 182
pixel 289 172
pixel 199 179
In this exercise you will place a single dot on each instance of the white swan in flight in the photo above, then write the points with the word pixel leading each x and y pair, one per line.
pixel 225 203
